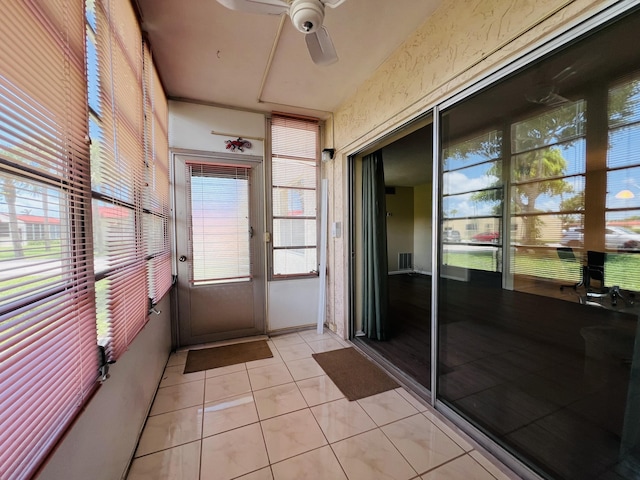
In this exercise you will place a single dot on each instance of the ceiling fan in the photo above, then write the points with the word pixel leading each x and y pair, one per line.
pixel 307 17
pixel 548 92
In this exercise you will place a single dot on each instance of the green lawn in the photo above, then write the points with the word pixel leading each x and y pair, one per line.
pixel 31 250
pixel 102 313
pixel 13 286
pixel 620 269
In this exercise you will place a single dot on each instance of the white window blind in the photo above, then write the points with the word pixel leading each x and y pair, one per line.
pixel 548 166
pixel 48 362
pixel 294 165
pixel 119 177
pixel 472 200
pixel 622 214
pixel 156 199
pixel 218 196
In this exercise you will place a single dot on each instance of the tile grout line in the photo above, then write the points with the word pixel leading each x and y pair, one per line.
pixel 166 449
pixel 328 444
pixel 379 427
pixel 264 440
pixel 309 408
pixel 204 396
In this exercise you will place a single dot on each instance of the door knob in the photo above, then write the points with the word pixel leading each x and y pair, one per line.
pixel 182 258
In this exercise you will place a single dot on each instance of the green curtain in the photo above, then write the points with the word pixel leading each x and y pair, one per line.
pixel 375 294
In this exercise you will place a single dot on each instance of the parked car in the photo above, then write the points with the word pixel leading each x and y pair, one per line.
pixel 572 237
pixel 486 237
pixel 451 236
pixel 616 238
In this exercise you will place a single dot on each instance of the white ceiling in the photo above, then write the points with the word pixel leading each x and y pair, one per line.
pixel 207 53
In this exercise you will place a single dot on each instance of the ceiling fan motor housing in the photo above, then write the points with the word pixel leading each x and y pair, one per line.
pixel 307 15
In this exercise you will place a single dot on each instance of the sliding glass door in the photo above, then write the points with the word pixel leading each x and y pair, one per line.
pixel 540 173
pixel 392 231
pixel 526 327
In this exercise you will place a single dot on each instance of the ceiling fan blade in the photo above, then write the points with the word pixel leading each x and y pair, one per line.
pixel 546 94
pixel 321 47
pixel 564 74
pixel 268 7
pixel 581 67
pixel 333 3
pixel 555 100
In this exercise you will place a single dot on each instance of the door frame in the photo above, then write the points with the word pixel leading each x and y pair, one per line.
pixel 180 231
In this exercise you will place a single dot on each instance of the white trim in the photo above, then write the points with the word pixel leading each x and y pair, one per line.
pixel 322 290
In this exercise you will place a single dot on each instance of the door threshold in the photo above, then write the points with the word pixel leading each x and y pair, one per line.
pixel 222 343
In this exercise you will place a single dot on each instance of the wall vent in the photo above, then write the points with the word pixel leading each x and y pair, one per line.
pixel 405 261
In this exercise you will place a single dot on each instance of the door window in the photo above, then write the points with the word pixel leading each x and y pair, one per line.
pixel 220 230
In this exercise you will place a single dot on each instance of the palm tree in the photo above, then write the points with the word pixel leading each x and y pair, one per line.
pixel 8 191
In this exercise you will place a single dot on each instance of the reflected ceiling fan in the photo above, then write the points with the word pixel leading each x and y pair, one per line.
pixel 306 15
pixel 547 92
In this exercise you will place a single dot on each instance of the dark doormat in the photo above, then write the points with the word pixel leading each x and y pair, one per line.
pixel 215 357
pixel 353 374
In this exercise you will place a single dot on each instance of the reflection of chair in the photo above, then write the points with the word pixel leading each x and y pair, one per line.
pixel 566 255
pixel 594 270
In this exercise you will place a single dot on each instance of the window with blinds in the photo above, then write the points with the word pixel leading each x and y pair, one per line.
pixel 48 361
pixel 472 201
pixel 156 192
pixel 622 215
pixel 548 179
pixel 218 198
pixel 294 179
pixel 129 173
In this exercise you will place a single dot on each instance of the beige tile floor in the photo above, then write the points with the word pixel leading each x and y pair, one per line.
pixel 282 418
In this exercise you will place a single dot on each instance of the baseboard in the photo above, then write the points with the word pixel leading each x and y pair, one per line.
pixel 404 272
pixel 298 328
pixel 400 272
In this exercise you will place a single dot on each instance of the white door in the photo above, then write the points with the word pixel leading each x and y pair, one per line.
pixel 219 225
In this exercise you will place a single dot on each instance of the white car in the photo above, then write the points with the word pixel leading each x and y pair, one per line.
pixel 616 238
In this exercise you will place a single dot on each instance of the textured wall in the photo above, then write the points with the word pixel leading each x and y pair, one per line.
pixel 460 43
pixel 462 40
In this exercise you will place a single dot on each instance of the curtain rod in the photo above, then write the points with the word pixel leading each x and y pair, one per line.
pixel 224 134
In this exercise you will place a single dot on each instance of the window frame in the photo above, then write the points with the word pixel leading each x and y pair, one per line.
pixel 270 204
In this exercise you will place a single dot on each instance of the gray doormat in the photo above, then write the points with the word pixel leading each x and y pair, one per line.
pixel 353 374
pixel 208 358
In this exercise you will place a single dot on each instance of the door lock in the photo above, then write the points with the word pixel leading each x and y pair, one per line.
pixel 182 258
pixel 250 232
